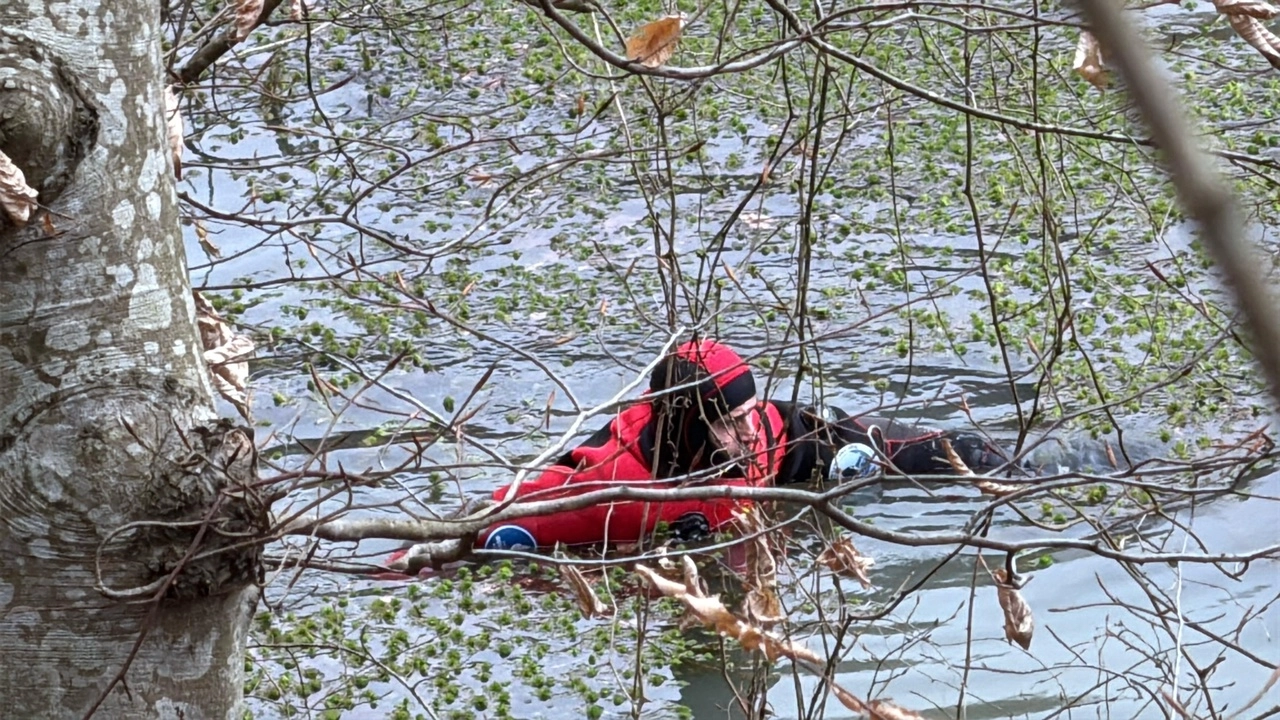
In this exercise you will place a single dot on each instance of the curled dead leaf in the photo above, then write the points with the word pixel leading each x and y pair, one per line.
pixel 956 463
pixel 761 604
pixel 654 43
pixel 173 122
pixel 296 11
pixel 1018 623
pixel 227 355
pixel 889 710
pixel 246 14
pixel 205 243
pixel 713 614
pixel 588 602
pixel 230 370
pixel 1247 8
pixel 849 700
pixel 17 199
pixel 1256 34
pixel 843 558
pixel 875 709
pixel 990 487
pixel 689 573
pixel 1088 62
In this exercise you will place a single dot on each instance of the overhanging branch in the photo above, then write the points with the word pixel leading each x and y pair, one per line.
pixel 217 47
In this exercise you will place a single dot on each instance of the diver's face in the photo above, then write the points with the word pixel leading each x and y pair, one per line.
pixel 735 433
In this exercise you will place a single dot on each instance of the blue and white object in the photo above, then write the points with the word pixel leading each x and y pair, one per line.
pixel 510 537
pixel 853 461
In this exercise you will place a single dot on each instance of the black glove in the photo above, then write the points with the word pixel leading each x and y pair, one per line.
pixel 690 527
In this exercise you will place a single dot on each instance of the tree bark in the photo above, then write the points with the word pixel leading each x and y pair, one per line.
pixel 116 479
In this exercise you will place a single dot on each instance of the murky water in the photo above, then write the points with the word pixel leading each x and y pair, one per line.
pixel 546 298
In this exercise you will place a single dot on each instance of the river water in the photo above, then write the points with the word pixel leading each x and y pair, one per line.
pixel 564 281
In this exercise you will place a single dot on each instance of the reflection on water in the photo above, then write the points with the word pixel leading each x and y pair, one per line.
pixel 1098 651
pixel 577 246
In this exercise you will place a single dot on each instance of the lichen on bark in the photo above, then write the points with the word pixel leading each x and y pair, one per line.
pixel 114 472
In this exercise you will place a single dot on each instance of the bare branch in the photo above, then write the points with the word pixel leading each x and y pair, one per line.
pixel 209 54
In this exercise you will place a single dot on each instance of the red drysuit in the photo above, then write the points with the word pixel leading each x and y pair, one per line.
pixel 663 441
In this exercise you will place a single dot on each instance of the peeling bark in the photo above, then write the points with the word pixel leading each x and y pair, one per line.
pixel 116 480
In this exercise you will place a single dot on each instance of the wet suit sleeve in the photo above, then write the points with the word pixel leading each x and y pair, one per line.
pixel 814 439
pixel 609 458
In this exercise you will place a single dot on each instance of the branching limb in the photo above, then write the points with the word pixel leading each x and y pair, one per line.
pixel 208 54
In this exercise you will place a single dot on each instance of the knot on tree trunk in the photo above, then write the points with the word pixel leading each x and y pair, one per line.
pixel 47 125
pixel 209 520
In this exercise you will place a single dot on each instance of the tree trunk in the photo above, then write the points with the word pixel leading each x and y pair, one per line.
pixel 106 416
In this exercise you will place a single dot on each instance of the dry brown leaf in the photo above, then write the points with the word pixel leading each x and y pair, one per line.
pixel 758 640
pixel 1018 623
pixel 990 487
pixel 296 11
pixel 761 604
pixel 173 121
pixel 1247 8
pixel 482 178
pixel 956 463
pixel 205 243
pixel 889 710
pixel 876 709
pixel 247 13
pixel 849 700
pixel 689 572
pixel 662 584
pixel 17 199
pixel 654 43
pixel 1257 35
pixel 1088 62
pixel 546 411
pixel 842 557
pixel 226 354
pixel 588 602
pixel 213 330
pixel 712 613
pixel 229 366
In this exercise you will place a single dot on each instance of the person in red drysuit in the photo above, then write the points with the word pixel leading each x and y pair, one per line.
pixel 702 423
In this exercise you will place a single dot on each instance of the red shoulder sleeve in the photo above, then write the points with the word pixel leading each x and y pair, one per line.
pixel 608 459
